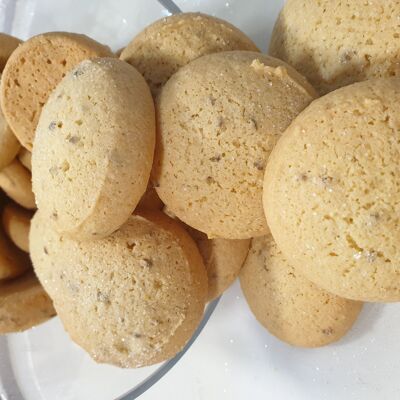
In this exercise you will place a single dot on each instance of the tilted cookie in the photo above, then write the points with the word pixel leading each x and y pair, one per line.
pixel 331 191
pixel 15 180
pixel 33 71
pixel 292 308
pixel 25 157
pixel 335 43
pixel 172 42
pixel 131 299
pixel 218 119
pixel 7 45
pixel 23 304
pixel 16 224
pixel 94 147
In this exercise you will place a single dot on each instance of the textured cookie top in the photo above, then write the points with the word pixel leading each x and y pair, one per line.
pixel 94 147
pixel 170 43
pixel 335 43
pixel 33 71
pixel 7 45
pixel 331 191
pixel 288 305
pixel 131 299
pixel 218 119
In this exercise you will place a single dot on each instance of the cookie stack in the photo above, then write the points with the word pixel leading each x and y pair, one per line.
pixel 158 174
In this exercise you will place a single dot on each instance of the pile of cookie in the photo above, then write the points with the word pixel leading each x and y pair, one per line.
pixel 166 170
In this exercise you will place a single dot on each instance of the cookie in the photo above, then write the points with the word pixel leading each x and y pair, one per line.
pixel 172 42
pixel 218 119
pixel 7 45
pixel 131 299
pixel 15 180
pixel 94 148
pixel 331 191
pixel 335 43
pixel 23 304
pixel 33 71
pixel 16 224
pixel 288 305
pixel 25 157
pixel 9 145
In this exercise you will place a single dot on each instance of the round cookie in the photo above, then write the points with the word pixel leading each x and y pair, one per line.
pixel 16 224
pixel 94 148
pixel 335 43
pixel 331 191
pixel 172 42
pixel 25 157
pixel 34 70
pixel 23 304
pixel 15 180
pixel 292 308
pixel 218 119
pixel 7 45
pixel 131 299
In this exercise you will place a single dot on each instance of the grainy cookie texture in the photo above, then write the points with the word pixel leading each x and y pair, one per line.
pixel 131 299
pixel 94 147
pixel 218 119
pixel 331 191
pixel 33 71
pixel 292 308
pixel 338 42
pixel 172 42
pixel 23 304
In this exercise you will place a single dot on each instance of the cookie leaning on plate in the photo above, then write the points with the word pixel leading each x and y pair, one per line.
pixel 172 42
pixel 292 308
pixel 331 191
pixel 33 71
pixel 131 299
pixel 93 149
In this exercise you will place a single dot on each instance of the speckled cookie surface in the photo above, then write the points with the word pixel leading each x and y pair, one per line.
pixel 131 299
pixel 218 119
pixel 16 223
pixel 7 45
pixel 170 43
pixel 34 70
pixel 16 181
pixel 335 43
pixel 93 149
pixel 292 308
pixel 23 304
pixel 331 191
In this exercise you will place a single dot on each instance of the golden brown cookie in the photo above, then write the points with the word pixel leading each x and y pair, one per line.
pixel 94 148
pixel 7 45
pixel 131 299
pixel 16 223
pixel 218 119
pixel 23 304
pixel 331 191
pixel 172 42
pixel 292 308
pixel 15 180
pixel 334 43
pixel 33 71
pixel 25 157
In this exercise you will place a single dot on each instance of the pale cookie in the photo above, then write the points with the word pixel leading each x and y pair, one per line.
pixel 331 191
pixel 7 45
pixel 218 119
pixel 335 43
pixel 34 70
pixel 131 299
pixel 16 224
pixel 25 157
pixel 23 304
pixel 289 306
pixel 15 180
pixel 94 148
pixel 170 43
